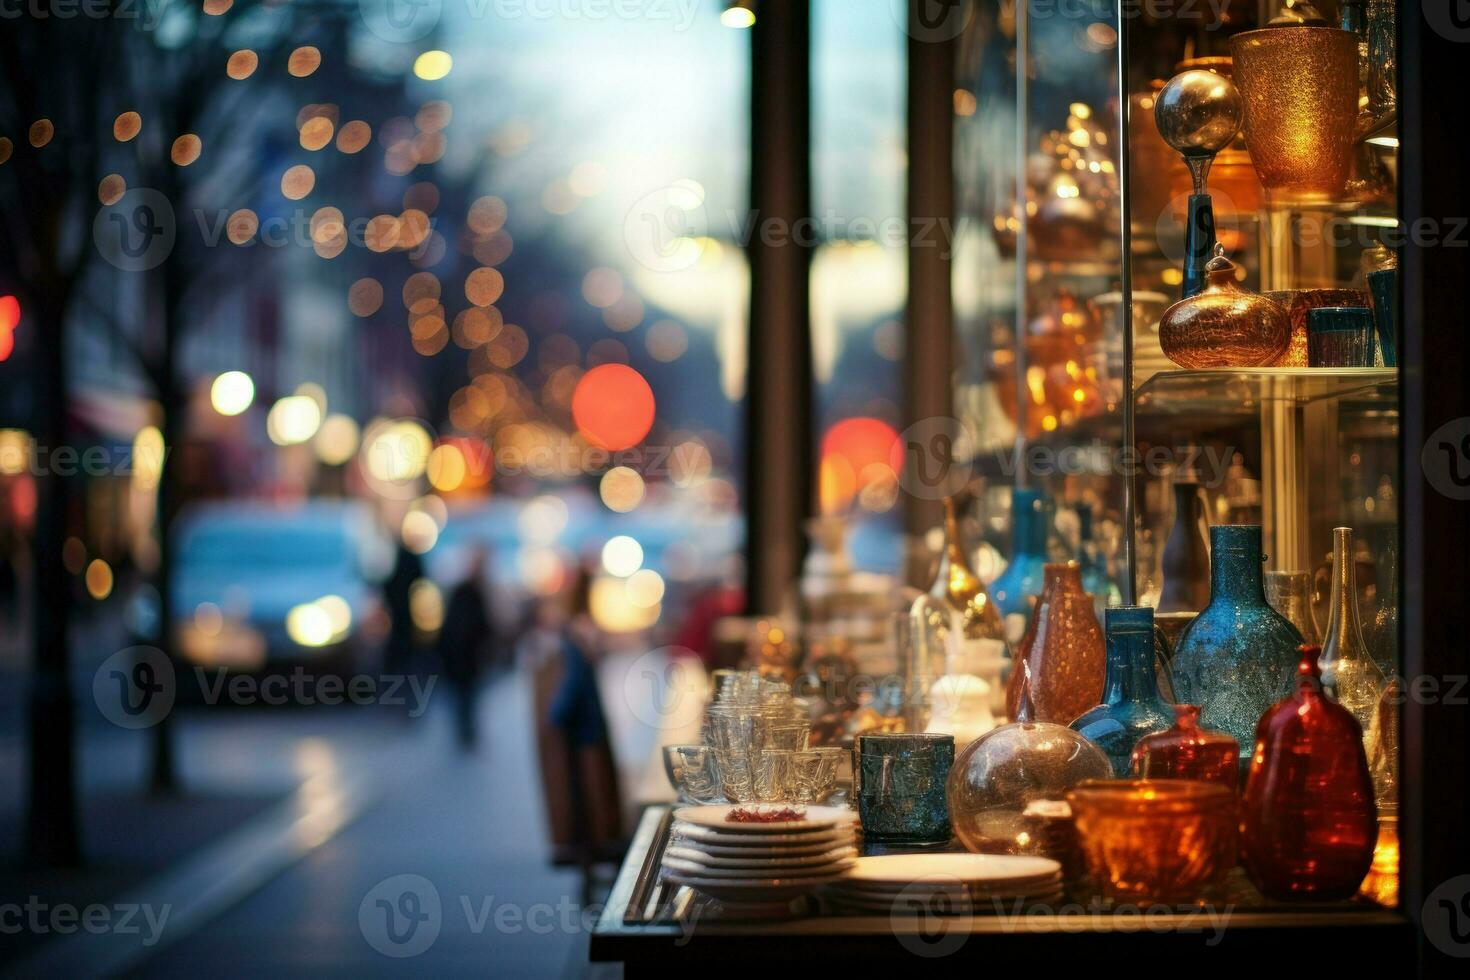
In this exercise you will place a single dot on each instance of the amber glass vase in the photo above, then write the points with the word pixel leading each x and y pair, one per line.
pixel 1308 822
pixel 1300 86
pixel 1188 751
pixel 1062 659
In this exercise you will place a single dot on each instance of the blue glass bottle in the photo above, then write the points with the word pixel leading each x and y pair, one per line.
pixel 1239 656
pixel 1022 579
pixel 1131 706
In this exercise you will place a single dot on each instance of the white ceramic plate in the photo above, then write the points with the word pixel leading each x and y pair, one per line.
pixel 776 861
pixel 680 866
pixel 717 818
pixel 979 905
pixel 943 884
pixel 969 869
pixel 831 837
pixel 749 889
pixel 754 852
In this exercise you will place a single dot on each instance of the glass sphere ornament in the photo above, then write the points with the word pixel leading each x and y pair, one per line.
pixel 1001 773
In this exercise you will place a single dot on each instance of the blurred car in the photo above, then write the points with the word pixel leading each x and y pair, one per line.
pixel 254 584
pixel 535 544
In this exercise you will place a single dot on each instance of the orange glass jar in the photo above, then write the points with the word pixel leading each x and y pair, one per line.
pixel 1149 841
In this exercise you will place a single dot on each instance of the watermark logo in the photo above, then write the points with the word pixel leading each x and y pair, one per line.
pixel 931 916
pixel 938 454
pixel 400 21
pixel 401 916
pixel 1446 917
pixel 137 233
pixel 135 688
pixel 41 918
pixel 1446 459
pixel 662 691
pixel 1450 19
pixel 931 21
pixel 664 229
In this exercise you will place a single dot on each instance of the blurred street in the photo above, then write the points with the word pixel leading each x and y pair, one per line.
pixel 470 825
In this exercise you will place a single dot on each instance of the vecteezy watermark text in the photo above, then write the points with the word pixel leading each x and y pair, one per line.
pixel 138 687
pixel 402 916
pixel 37 916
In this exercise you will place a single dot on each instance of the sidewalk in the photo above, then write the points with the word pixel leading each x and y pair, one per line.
pixel 469 827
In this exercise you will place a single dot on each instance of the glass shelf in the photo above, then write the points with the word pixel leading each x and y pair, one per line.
pixel 1242 391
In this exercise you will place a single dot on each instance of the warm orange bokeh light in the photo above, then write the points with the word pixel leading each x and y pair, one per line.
pixel 855 453
pixel 613 406
pixel 9 313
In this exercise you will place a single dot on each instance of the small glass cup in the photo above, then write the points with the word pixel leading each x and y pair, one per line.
pixel 1340 336
pixel 792 736
pixel 731 727
pixel 691 771
pixel 737 781
pixel 814 774
pixel 772 779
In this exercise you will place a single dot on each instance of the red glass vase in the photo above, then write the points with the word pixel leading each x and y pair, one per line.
pixel 1308 823
pixel 1188 751
pixel 1061 659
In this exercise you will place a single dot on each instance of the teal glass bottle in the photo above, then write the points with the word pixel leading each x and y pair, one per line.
pixel 1131 705
pixel 1239 656
pixel 1022 579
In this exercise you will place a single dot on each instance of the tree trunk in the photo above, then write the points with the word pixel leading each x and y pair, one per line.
pixel 52 832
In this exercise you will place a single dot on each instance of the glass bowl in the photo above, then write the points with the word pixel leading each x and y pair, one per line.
pixel 1148 841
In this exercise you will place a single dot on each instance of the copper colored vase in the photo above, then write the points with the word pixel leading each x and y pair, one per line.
pixel 1061 661
pixel 1308 821
pixel 1224 325
pixel 1297 302
pixel 1300 86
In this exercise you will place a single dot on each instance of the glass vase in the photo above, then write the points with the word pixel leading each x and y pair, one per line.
pixel 1000 774
pixel 1131 706
pixel 1382 630
pixel 1022 579
pixel 1308 822
pixel 955 630
pixel 1188 751
pixel 1237 657
pixel 1061 661
pixel 1186 561
pixel 1349 672
pixel 1290 594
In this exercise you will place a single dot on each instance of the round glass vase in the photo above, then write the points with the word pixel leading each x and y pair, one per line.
pixel 1238 656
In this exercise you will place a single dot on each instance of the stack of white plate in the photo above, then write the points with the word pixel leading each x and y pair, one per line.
pixel 759 864
pixel 945 883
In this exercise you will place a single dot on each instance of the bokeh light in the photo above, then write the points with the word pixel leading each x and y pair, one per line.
pixel 232 392
pixel 621 489
pixel 293 420
pixel 622 556
pixel 613 406
pixel 433 65
pixel 337 440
